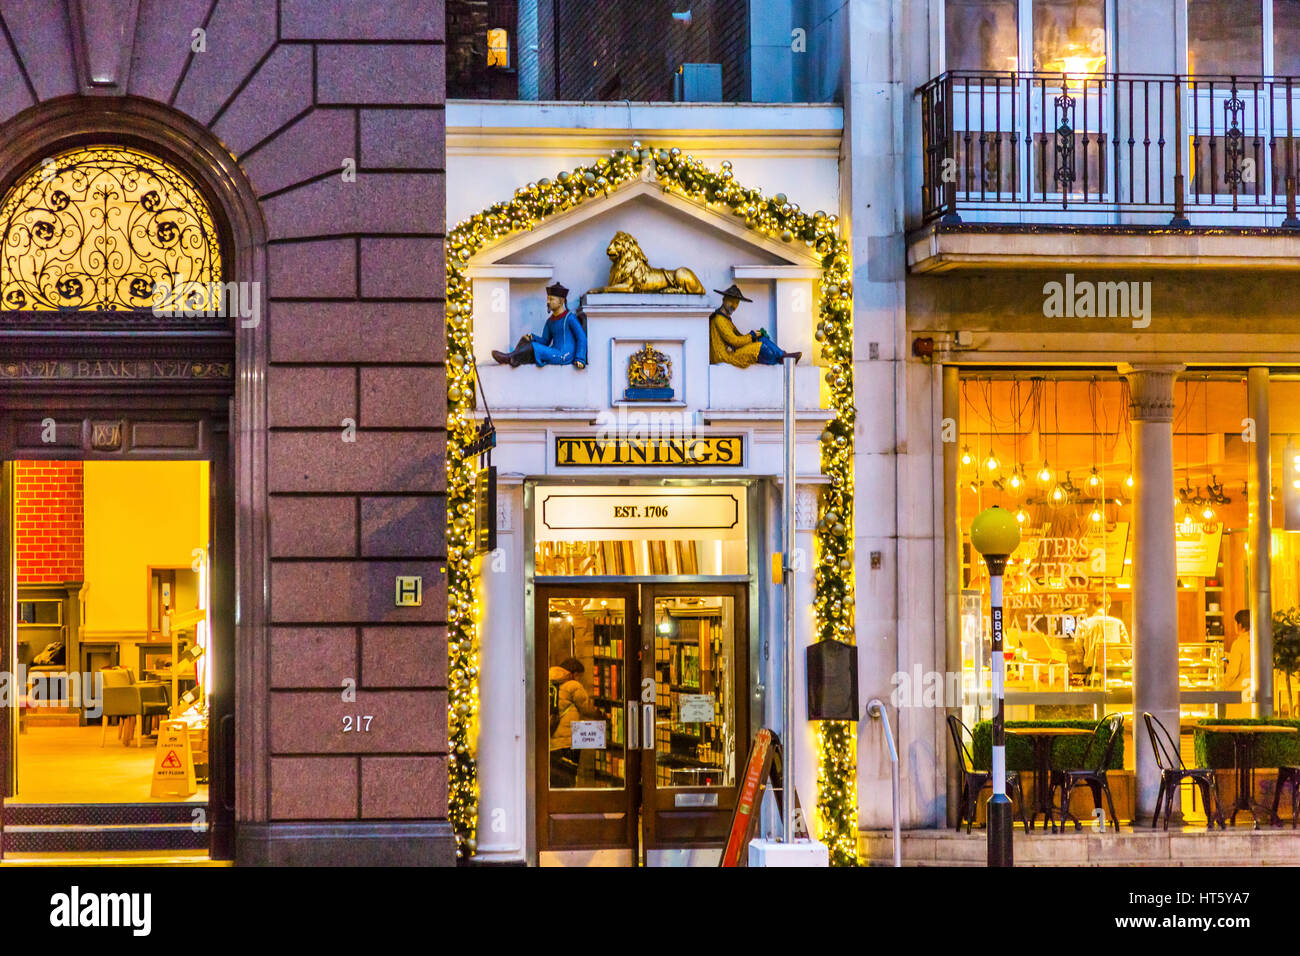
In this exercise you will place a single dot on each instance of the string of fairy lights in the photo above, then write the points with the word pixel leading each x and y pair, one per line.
pixel 775 217
pixel 1033 422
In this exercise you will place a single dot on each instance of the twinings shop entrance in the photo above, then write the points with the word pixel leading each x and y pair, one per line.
pixel 642 676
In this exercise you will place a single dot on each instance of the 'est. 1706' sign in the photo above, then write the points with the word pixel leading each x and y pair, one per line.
pixel 705 451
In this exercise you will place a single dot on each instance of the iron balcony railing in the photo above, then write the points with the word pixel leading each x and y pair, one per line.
pixel 1110 147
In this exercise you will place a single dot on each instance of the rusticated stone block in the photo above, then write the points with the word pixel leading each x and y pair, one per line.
pixel 360 20
pixel 402 267
pixel 311 396
pixel 404 657
pixel 375 202
pixel 357 332
pixel 360 591
pixel 403 527
pixel 376 461
pixel 276 93
pixel 316 527
pixel 380 74
pixel 403 397
pixel 404 787
pixel 317 143
pixel 401 721
pixel 313 269
pixel 403 139
pixel 235 39
pixel 163 30
pixel 314 788
pixel 313 656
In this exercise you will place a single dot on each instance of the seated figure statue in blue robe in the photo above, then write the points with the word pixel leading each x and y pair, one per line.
pixel 563 340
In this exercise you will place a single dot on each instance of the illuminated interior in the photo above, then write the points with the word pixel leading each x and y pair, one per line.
pixel 112 570
pixel 1057 452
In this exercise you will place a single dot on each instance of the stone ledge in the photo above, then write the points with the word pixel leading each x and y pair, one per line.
pixel 353 843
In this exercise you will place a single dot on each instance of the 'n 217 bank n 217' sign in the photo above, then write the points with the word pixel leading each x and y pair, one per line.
pixel 705 451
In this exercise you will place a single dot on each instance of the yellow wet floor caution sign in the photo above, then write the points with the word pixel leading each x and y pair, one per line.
pixel 173 762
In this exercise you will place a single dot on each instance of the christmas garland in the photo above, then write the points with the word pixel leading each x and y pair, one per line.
pixel 775 217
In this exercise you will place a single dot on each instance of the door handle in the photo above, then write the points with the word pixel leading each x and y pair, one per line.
pixel 647 726
pixel 632 736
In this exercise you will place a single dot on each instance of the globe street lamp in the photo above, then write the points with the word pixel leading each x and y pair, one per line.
pixel 995 534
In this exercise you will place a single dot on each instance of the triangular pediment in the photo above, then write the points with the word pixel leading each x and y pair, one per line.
pixel 643 193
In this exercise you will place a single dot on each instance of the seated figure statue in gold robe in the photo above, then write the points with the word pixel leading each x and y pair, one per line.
pixel 728 345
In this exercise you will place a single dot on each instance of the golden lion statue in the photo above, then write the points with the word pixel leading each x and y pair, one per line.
pixel 631 271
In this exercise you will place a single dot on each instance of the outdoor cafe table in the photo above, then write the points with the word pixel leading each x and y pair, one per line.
pixel 1243 761
pixel 1043 738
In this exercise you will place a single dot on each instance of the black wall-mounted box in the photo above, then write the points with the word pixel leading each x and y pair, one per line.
pixel 832 681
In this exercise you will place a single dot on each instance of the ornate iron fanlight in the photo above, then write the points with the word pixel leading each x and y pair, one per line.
pixel 103 228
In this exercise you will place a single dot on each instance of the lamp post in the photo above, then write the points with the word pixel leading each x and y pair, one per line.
pixel 995 534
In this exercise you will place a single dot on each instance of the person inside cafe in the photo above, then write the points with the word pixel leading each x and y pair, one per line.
pixel 1100 628
pixel 1236 674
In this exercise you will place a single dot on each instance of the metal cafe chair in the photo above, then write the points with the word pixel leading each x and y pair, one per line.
pixel 1287 775
pixel 1173 772
pixel 974 781
pixel 1096 759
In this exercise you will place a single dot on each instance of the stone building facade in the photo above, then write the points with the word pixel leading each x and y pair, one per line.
pixel 314 130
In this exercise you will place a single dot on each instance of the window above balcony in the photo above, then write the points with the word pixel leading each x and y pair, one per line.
pixel 1000 35
pixel 1113 164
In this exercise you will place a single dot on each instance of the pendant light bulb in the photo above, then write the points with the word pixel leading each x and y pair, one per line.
pixel 1096 516
pixel 1094 479
pixel 1022 516
pixel 991 462
pixel 965 455
pixel 1045 475
pixel 1129 481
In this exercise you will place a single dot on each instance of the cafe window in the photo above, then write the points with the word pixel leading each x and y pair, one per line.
pixel 1057 452
pixel 1284 422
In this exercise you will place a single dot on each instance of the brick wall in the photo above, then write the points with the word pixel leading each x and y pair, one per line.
pixel 609 51
pixel 48 524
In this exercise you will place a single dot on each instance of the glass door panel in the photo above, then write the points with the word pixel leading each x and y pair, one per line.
pixel 585 688
pixel 588 767
pixel 697 638
pixel 695 706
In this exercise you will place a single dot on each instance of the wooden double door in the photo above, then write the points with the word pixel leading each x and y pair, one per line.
pixel 641 716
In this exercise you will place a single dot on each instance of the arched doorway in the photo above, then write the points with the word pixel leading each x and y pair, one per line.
pixel 124 261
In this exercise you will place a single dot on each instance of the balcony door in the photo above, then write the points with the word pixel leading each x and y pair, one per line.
pixel 1033 122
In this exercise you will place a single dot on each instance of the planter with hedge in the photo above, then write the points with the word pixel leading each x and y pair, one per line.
pixel 1067 752
pixel 1271 750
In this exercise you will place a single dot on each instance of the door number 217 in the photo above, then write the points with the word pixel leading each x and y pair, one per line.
pixel 360 723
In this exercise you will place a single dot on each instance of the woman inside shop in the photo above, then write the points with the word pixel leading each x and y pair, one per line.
pixel 1236 674
pixel 569 702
